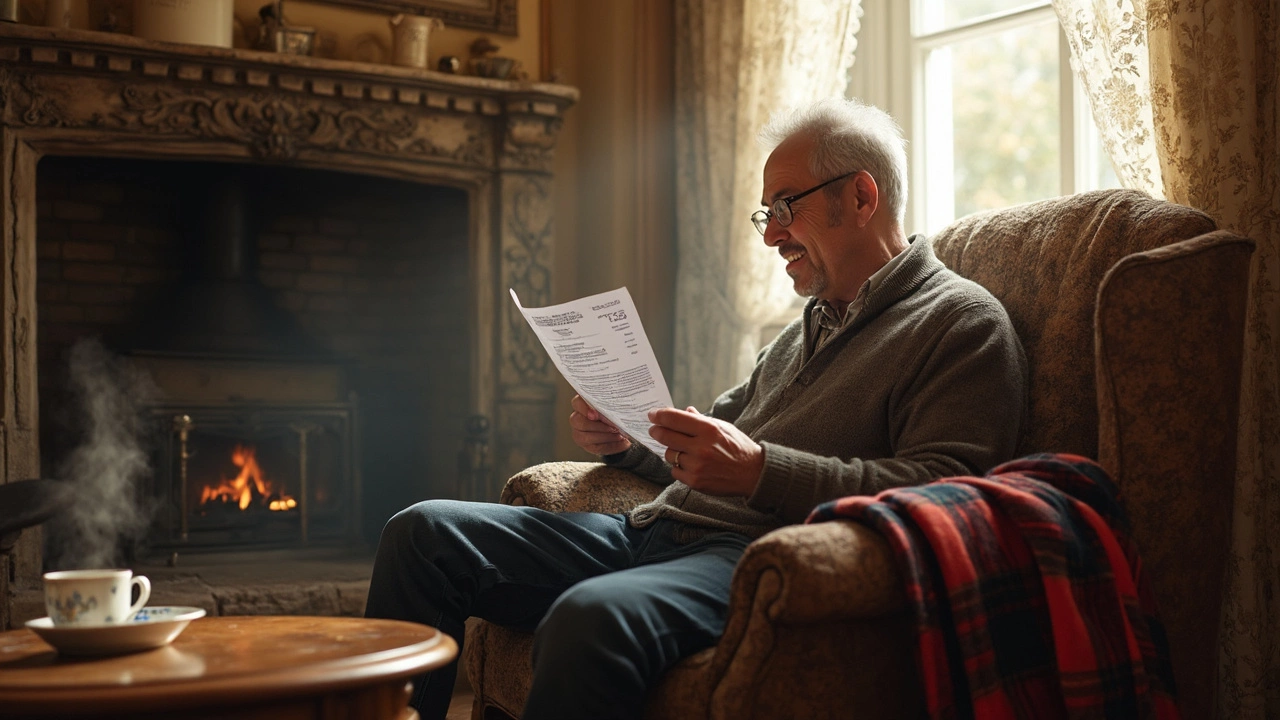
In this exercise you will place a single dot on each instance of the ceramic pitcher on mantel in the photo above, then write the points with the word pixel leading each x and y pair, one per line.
pixel 409 35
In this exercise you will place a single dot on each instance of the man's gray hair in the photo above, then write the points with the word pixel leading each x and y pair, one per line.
pixel 849 135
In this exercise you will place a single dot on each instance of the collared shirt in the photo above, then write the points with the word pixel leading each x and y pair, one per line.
pixel 826 321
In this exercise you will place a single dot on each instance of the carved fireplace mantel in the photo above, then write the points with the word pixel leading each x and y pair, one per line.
pixel 80 93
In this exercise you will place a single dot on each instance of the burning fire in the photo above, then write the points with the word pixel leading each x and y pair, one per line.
pixel 240 489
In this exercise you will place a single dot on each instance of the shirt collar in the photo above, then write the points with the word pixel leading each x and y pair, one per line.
pixel 828 317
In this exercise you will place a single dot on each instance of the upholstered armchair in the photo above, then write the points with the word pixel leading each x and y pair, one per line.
pixel 1131 311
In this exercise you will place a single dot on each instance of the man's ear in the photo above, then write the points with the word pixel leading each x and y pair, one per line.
pixel 866 197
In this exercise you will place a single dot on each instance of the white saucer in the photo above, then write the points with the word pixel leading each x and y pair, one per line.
pixel 152 627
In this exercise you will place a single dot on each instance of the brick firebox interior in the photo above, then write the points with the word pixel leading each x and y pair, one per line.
pixel 374 270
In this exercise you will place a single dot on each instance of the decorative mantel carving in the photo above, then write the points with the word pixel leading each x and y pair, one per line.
pixel 275 105
pixel 86 93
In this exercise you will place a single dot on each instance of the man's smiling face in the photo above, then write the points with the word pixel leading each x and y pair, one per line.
pixel 812 246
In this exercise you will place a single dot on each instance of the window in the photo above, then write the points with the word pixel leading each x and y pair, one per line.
pixel 985 92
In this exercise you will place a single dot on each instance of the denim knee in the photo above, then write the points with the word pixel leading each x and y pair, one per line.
pixel 422 521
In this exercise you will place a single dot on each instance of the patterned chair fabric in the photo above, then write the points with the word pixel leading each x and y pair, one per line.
pixel 1131 312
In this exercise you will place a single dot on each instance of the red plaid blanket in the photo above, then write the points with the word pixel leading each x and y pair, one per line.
pixel 1028 594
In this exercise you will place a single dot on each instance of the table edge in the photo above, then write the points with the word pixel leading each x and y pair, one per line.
pixel 331 676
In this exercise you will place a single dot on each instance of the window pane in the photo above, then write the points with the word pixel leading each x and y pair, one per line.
pixel 1105 176
pixel 934 15
pixel 1093 170
pixel 992 122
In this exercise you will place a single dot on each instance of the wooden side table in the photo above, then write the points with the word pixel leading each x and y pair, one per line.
pixel 284 668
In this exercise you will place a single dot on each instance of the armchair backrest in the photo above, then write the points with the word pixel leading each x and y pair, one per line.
pixel 1131 312
pixel 1045 262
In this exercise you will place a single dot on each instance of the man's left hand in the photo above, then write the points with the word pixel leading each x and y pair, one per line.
pixel 708 455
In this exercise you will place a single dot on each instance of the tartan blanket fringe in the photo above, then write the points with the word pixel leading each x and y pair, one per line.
pixel 1027 591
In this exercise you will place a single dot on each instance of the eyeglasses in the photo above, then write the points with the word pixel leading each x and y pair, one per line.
pixel 781 209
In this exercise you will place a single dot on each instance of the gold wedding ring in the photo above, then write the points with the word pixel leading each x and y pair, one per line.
pixel 675 462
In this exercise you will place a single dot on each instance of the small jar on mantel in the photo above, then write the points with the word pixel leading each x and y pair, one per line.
pixel 199 22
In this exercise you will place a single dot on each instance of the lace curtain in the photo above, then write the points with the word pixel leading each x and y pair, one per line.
pixel 1109 55
pixel 737 61
pixel 1194 86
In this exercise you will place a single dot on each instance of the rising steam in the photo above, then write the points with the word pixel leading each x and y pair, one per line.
pixel 110 464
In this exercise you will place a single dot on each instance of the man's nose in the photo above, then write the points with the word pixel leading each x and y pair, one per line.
pixel 774 233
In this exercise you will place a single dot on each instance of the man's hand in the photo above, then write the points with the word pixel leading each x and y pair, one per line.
pixel 708 455
pixel 592 432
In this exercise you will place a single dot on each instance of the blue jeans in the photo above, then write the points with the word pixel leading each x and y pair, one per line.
pixel 611 606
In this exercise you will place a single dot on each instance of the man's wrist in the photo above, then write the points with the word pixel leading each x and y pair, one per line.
pixel 754 471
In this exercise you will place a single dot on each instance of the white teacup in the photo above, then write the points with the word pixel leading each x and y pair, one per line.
pixel 93 597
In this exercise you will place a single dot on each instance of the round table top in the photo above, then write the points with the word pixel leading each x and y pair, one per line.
pixel 248 658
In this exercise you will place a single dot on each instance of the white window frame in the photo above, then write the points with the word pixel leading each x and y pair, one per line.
pixel 890 73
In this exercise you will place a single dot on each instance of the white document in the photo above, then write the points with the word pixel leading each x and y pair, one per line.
pixel 600 347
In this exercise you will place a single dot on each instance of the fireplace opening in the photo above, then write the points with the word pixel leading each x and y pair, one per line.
pixel 282 477
pixel 309 330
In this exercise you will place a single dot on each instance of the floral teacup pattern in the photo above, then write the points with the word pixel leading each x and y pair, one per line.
pixel 70 608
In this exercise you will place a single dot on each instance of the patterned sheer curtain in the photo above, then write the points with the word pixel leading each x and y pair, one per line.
pixel 1109 55
pixel 1196 88
pixel 737 61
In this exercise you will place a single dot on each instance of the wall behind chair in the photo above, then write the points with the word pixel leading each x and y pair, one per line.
pixel 615 192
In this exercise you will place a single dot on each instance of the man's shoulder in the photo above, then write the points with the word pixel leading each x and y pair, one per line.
pixel 952 286
pixel 947 292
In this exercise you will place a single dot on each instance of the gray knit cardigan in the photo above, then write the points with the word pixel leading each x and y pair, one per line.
pixel 928 381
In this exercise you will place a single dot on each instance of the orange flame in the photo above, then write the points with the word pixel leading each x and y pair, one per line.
pixel 240 489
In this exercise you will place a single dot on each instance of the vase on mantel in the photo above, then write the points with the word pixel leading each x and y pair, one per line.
pixel 199 22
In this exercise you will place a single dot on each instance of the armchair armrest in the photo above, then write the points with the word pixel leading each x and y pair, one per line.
pixel 828 572
pixel 830 592
pixel 578 487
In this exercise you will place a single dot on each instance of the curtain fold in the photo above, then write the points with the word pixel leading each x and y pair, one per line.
pixel 1109 55
pixel 737 61
pixel 1215 69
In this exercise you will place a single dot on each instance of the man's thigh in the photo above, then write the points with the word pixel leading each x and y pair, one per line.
pixel 508 564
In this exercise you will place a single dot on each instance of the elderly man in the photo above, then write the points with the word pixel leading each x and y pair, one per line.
pixel 899 372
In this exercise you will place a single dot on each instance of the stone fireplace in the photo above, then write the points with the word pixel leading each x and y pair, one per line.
pixel 392 208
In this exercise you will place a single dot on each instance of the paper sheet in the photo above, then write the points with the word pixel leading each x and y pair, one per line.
pixel 600 347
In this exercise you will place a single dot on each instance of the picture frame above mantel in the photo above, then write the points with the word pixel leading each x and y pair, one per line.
pixel 497 16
